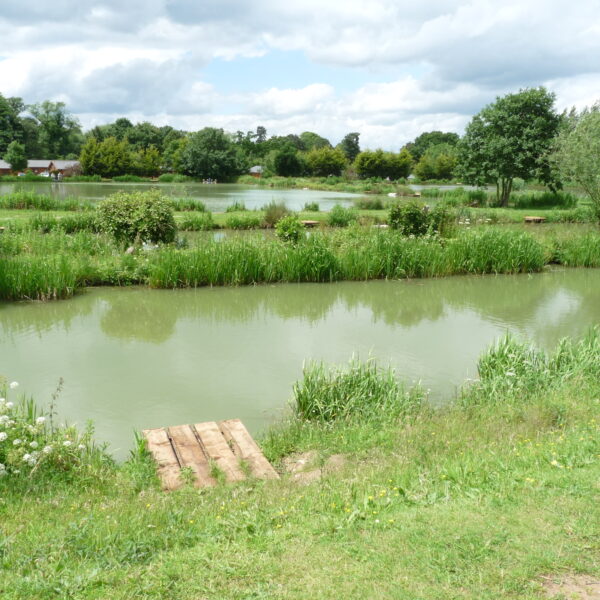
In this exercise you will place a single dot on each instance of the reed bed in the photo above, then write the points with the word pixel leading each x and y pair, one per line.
pixel 25 200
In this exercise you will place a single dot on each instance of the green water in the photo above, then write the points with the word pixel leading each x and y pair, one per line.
pixel 216 197
pixel 137 358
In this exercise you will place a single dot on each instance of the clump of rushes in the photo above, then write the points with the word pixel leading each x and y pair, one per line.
pixel 201 222
pixel 341 217
pixel 312 207
pixel 249 221
pixel 361 390
pixel 274 211
pixel 24 200
pixel 236 207
pixel 188 204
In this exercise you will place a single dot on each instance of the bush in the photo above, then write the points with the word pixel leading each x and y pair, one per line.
pixel 410 218
pixel 138 217
pixel 129 179
pixel 174 178
pixel 236 207
pixel 442 220
pixel 274 211
pixel 312 207
pixel 250 221
pixel 289 229
pixel 201 222
pixel 369 203
pixel 341 217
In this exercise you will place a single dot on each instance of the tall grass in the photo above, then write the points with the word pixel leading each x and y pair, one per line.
pixel 26 200
pixel 200 222
pixel 188 204
pixel 560 200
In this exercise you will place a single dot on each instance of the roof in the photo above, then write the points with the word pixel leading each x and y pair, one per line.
pixel 4 164
pixel 65 164
pixel 256 169
pixel 38 164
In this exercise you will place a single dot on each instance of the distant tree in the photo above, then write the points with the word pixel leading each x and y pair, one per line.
pixel 173 153
pixel 107 158
pixel 11 128
pixel 438 162
pixel 143 135
pixel 15 156
pixel 287 163
pixel 382 164
pixel 120 128
pixel 311 140
pixel 510 138
pixel 325 161
pixel 350 145
pixel 59 131
pixel 428 139
pixel 147 162
pixel 261 134
pixel 576 152
pixel 210 153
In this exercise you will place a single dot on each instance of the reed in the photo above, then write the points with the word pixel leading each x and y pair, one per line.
pixel 188 205
pixel 26 200
pixel 200 222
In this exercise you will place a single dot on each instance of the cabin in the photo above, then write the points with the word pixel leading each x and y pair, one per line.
pixel 4 167
pixel 256 171
pixel 66 168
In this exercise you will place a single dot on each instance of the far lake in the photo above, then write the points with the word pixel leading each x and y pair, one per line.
pixel 137 358
pixel 216 197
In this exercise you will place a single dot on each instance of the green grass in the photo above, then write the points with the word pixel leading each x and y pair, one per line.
pixel 479 500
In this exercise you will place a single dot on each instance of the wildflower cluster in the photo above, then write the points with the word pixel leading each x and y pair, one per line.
pixel 29 444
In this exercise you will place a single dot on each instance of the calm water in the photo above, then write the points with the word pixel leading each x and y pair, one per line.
pixel 216 197
pixel 137 358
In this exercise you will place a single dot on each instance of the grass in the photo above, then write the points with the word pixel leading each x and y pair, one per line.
pixel 55 264
pixel 25 200
pixel 479 500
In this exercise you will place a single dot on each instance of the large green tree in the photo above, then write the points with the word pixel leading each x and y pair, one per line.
pixel 325 161
pixel 15 156
pixel 577 152
pixel 11 127
pixel 350 145
pixel 438 162
pixel 287 162
pixel 210 153
pixel 430 138
pixel 377 163
pixel 107 158
pixel 59 131
pixel 511 138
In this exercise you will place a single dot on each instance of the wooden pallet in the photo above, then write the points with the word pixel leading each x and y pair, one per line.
pixel 201 447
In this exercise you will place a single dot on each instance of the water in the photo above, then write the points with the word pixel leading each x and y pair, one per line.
pixel 216 197
pixel 137 358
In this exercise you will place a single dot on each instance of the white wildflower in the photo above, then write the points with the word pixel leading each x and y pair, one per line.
pixel 510 373
pixel 33 444
pixel 40 420
pixel 17 442
pixel 26 457
pixel 47 449
pixel 9 405
pixel 81 446
pixel 4 419
pixel 14 384
pixel 67 443
pixel 2 400
pixel 3 436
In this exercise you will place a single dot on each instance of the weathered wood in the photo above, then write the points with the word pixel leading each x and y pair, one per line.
pixel 245 448
pixel 217 449
pixel 160 446
pixel 191 454
pixel 309 223
pixel 532 219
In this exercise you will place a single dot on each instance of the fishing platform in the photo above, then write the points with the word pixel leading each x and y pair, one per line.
pixel 204 449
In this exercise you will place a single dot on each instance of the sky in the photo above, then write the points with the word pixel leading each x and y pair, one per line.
pixel 389 69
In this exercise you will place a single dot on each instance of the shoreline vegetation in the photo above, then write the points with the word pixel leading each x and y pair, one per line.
pixel 488 497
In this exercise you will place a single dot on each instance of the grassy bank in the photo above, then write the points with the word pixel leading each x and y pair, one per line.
pixel 57 264
pixel 488 498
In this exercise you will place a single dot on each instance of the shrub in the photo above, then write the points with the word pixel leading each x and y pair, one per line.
pixel 274 211
pixel 250 221
pixel 410 218
pixel 289 229
pixel 236 207
pixel 369 203
pixel 442 220
pixel 201 222
pixel 138 216
pixel 312 207
pixel 341 217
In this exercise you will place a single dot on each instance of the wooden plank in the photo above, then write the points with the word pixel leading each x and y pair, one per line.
pixel 159 445
pixel 217 449
pixel 246 449
pixel 190 454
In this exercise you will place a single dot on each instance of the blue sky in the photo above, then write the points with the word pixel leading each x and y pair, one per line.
pixel 389 69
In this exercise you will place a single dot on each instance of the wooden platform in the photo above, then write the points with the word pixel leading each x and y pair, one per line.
pixel 204 447
pixel 532 219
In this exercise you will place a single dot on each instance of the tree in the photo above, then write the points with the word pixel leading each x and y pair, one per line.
pixel 311 140
pixel 350 145
pixel 210 154
pixel 287 163
pixel 325 161
pixel 107 158
pixel 383 164
pixel 59 132
pixel 577 152
pixel 510 138
pixel 438 162
pixel 11 128
pixel 147 162
pixel 15 156
pixel 428 139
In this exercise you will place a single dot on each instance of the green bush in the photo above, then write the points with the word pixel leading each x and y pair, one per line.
pixel 410 218
pixel 138 217
pixel 201 222
pixel 341 217
pixel 369 203
pixel 250 221
pixel 312 207
pixel 274 211
pixel 289 229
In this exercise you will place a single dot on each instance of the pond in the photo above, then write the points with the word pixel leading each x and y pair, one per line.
pixel 216 197
pixel 137 358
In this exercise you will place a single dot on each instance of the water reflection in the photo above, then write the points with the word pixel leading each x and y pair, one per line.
pixel 134 357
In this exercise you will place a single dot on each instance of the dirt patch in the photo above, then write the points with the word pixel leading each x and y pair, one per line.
pixel 304 467
pixel 335 463
pixel 295 463
pixel 572 587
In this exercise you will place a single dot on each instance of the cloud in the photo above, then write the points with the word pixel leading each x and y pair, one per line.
pixel 419 65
